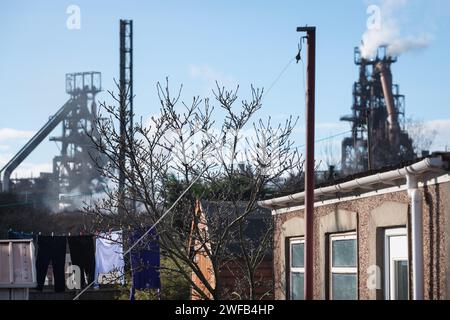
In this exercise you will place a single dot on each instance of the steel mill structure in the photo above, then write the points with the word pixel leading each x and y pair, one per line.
pixel 378 136
pixel 74 169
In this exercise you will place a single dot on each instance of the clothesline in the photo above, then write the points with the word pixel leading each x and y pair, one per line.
pixel 53 234
pixel 104 258
pixel 98 234
pixel 45 256
pixel 151 228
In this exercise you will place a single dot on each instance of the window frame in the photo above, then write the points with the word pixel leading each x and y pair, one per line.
pixel 390 276
pixel 342 270
pixel 292 270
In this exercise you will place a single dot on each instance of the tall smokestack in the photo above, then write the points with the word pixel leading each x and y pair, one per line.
pixel 386 83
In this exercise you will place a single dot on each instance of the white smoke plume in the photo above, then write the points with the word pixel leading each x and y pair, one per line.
pixel 384 29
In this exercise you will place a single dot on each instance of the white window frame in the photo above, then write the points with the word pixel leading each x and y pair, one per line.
pixel 341 270
pixel 292 269
pixel 389 264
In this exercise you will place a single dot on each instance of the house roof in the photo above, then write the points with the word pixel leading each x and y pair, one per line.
pixel 355 185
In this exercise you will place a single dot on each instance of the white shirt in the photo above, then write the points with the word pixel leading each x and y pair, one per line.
pixel 109 254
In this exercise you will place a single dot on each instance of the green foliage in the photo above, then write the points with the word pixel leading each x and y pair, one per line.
pixel 238 187
pixel 173 285
pixel 149 294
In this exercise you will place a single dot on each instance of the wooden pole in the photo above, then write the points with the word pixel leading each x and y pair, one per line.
pixel 309 165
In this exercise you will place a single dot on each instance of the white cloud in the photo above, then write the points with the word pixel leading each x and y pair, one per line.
pixel 210 75
pixel 9 138
pixel 7 134
pixel 26 169
pixel 4 147
pixel 442 128
pixel 440 125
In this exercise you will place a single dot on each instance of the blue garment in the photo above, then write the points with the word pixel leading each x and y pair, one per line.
pixel 145 263
pixel 15 235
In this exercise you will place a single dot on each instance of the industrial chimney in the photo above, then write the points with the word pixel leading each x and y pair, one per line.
pixel 378 109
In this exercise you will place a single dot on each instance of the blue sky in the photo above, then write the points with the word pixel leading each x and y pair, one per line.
pixel 197 42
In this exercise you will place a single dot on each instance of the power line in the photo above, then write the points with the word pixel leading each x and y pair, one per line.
pixel 327 138
pixel 304 92
pixel 275 81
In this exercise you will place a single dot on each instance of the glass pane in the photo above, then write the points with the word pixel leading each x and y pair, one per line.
pixel 298 255
pixel 401 275
pixel 344 253
pixel 344 287
pixel 297 286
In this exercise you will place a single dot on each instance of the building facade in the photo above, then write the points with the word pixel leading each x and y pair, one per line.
pixel 383 235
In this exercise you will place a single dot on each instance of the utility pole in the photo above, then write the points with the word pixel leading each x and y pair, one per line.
pixel 309 168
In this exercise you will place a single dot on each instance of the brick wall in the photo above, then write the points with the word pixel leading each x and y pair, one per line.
pixel 436 232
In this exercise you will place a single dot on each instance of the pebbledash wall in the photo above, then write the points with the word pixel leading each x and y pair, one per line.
pixel 369 216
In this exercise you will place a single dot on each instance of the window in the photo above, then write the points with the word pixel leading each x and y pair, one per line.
pixel 343 267
pixel 297 269
pixel 396 272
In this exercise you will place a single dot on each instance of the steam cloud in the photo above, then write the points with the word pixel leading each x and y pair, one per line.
pixel 387 33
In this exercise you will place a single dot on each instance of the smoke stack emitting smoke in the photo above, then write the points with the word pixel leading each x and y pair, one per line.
pixel 384 30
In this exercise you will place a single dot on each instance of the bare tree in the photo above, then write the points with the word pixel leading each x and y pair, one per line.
pixel 184 155
pixel 421 136
pixel 330 155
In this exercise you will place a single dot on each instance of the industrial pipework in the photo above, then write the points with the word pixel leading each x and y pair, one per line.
pixel 386 83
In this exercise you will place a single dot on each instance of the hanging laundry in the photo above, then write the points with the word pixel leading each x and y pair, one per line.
pixel 51 249
pixel 82 254
pixel 145 263
pixel 15 235
pixel 109 254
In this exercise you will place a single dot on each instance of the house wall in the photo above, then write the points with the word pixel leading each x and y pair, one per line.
pixel 232 280
pixel 235 287
pixel 445 191
pixel 368 217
